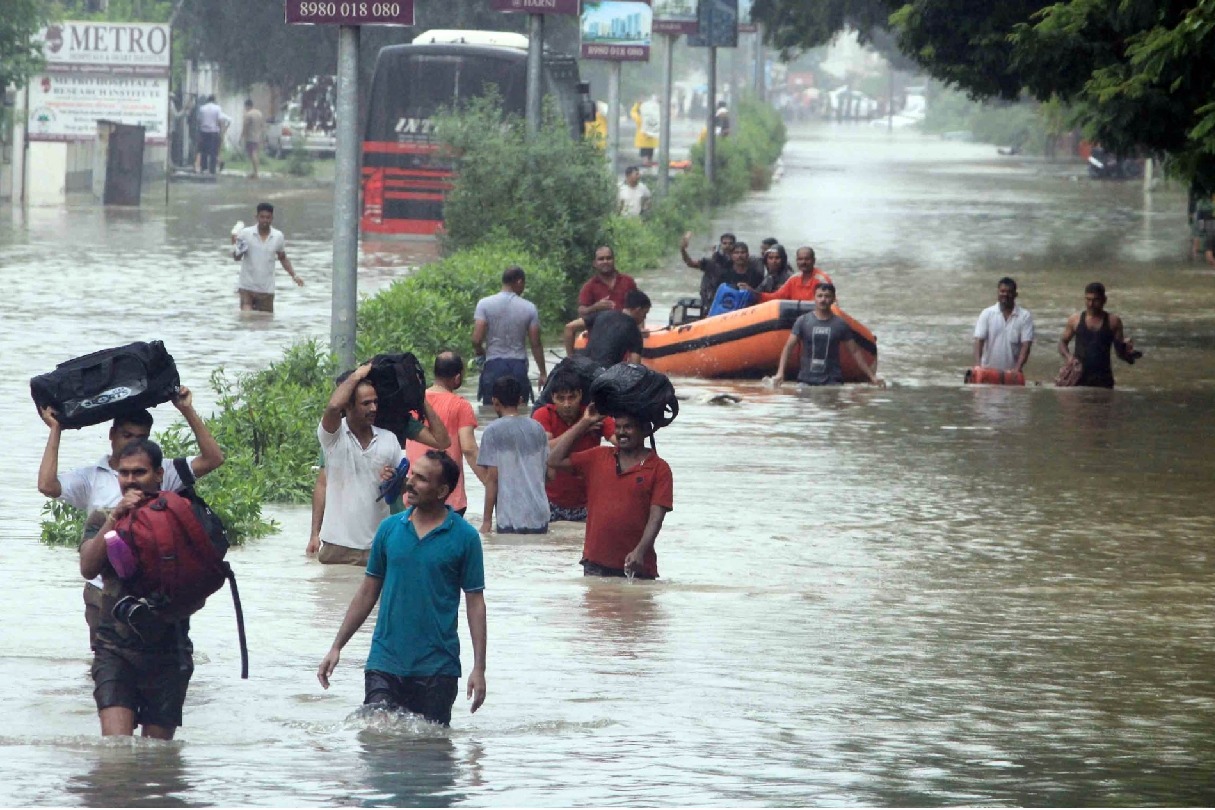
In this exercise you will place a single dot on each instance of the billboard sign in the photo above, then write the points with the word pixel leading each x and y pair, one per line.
pixel 67 106
pixel 746 25
pixel 717 24
pixel 674 16
pixel 535 6
pixel 616 30
pixel 349 12
pixel 94 47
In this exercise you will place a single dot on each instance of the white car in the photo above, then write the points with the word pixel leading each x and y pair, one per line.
pixel 283 135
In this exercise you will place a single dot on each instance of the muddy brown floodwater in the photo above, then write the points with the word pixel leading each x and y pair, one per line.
pixel 922 595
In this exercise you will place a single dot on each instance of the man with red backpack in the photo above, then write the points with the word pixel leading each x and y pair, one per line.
pixel 143 658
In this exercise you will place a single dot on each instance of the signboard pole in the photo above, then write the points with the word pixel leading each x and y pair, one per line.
pixel 613 115
pixel 761 72
pixel 346 200
pixel 664 139
pixel 535 71
pixel 711 137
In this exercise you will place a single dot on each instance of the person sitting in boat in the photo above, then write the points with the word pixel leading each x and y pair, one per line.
pixel 713 268
pixel 776 267
pixel 800 287
pixel 616 336
pixel 823 335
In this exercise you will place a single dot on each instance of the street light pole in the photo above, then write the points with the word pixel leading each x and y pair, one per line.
pixel 613 122
pixel 711 137
pixel 535 71
pixel 664 142
pixel 346 201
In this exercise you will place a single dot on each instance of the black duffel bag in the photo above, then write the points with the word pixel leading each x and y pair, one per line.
pixel 630 389
pixel 400 386
pixel 103 385
pixel 586 369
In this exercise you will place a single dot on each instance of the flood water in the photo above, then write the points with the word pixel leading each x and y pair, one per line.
pixel 923 595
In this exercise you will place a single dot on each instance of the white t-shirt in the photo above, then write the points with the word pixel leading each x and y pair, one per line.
pixel 352 513
pixel 257 265
pixel 96 487
pixel 1004 337
pixel 211 117
pixel 632 199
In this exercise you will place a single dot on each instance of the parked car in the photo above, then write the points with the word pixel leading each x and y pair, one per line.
pixel 290 130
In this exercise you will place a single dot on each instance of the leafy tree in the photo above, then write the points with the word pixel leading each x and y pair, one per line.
pixel 19 57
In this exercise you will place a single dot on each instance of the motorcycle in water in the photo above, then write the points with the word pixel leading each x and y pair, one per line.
pixel 1103 165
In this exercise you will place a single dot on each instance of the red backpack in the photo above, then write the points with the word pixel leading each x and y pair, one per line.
pixel 177 562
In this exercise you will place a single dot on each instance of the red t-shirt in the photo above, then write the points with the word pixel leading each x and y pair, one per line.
pixel 455 413
pixel 795 289
pixel 618 505
pixel 566 488
pixel 597 289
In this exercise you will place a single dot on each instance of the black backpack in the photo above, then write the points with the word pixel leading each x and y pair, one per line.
pixel 218 533
pixel 400 385
pixel 587 370
pixel 100 386
pixel 630 389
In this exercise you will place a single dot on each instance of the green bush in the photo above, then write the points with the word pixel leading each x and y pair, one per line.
pixel 548 188
pixel 62 524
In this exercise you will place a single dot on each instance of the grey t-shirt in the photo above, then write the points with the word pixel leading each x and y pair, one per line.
pixel 821 348
pixel 508 317
pixel 518 447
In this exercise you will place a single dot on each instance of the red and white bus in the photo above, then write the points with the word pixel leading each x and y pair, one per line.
pixel 404 179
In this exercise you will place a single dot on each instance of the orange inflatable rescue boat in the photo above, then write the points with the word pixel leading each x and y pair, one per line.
pixel 743 343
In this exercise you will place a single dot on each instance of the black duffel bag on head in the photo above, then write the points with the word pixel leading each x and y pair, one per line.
pixel 630 389
pixel 103 385
pixel 586 369
pixel 400 386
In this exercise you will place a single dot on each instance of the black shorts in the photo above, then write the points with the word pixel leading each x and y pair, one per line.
pixel 153 685
pixel 431 696
pixel 590 569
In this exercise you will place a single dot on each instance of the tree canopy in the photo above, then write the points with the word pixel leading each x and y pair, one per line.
pixel 19 58
pixel 1134 73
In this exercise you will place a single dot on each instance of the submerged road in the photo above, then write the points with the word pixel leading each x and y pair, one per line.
pixel 923 595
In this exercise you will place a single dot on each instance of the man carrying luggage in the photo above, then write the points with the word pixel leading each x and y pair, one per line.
pixel 96 487
pixel 141 663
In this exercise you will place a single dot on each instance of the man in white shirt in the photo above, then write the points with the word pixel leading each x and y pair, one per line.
pixel 633 197
pixel 1004 332
pixel 95 489
pixel 358 456
pixel 256 248
pixel 212 123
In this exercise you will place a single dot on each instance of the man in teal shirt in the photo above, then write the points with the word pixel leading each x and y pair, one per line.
pixel 420 561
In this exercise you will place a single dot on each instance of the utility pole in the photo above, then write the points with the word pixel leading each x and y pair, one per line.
pixel 342 324
pixel 613 133
pixel 535 72
pixel 711 137
pixel 664 142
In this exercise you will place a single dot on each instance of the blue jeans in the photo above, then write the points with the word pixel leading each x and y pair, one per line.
pixel 502 367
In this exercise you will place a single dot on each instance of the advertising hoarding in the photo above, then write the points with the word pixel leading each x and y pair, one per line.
pixel 103 47
pixel 717 25
pixel 674 16
pixel 616 30
pixel 349 12
pixel 67 106
pixel 535 6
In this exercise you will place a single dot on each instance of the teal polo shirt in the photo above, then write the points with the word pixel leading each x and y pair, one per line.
pixel 415 633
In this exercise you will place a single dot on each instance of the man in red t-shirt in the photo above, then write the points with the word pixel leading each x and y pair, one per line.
pixel 629 492
pixel 607 288
pixel 566 490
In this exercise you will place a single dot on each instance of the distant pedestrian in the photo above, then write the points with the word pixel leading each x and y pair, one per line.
pixel 420 561
pixel 721 119
pixel 1096 332
pixel 607 288
pixel 212 124
pixel 629 492
pixel 514 449
pixel 633 197
pixel 458 418
pixel 647 115
pixel 503 326
pixel 823 335
pixel 256 248
pixel 1004 332
pixel 253 132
